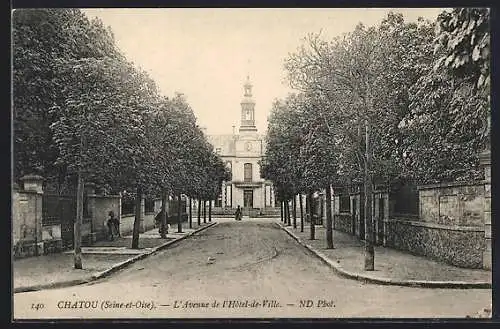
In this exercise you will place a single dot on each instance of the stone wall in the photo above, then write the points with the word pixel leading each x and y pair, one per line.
pixel 452 204
pixel 27 229
pixel 127 223
pixel 456 245
pixel 485 161
pixel 30 236
pixel 148 222
pixel 453 225
pixel 449 228
pixel 99 208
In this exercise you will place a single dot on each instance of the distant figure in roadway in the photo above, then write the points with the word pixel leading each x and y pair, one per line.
pixel 238 214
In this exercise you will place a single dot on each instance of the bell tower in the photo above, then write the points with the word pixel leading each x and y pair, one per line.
pixel 247 109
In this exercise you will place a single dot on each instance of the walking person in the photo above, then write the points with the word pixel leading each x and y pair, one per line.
pixel 237 215
pixel 116 223
pixel 158 223
pixel 111 225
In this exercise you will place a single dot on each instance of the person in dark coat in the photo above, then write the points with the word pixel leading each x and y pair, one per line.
pixel 237 215
pixel 158 220
pixel 116 223
pixel 110 223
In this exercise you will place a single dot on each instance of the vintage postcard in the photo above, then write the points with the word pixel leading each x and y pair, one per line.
pixel 180 163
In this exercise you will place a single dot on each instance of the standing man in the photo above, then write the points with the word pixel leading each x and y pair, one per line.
pixel 110 224
pixel 114 224
pixel 238 213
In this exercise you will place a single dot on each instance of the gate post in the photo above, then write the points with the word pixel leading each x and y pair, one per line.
pixel 485 161
pixel 34 184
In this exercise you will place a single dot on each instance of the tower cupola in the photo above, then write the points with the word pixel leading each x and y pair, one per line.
pixel 247 108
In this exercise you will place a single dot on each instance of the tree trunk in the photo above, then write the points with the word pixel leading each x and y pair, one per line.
pixel 310 215
pixel 285 203
pixel 329 224
pixel 204 211
pixel 199 212
pixel 281 209
pixel 78 223
pixel 163 224
pixel 190 213
pixel 179 218
pixel 137 219
pixel 301 213
pixel 287 208
pixel 210 211
pixel 369 250
pixel 294 204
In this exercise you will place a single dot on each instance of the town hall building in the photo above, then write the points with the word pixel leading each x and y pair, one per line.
pixel 242 151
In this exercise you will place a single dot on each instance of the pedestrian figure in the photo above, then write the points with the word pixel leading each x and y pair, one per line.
pixel 116 223
pixel 158 222
pixel 110 223
pixel 237 215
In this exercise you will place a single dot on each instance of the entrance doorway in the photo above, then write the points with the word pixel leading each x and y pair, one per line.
pixel 60 209
pixel 248 199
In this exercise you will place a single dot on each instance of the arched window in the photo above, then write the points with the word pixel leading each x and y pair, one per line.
pixel 248 172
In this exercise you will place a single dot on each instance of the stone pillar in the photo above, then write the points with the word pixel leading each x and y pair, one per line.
pixel 34 184
pixel 485 161
pixel 336 204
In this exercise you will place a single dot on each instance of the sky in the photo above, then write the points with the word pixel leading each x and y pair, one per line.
pixel 206 54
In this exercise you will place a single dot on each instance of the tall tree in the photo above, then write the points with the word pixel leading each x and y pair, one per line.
pixel 352 79
pixel 42 40
pixel 450 103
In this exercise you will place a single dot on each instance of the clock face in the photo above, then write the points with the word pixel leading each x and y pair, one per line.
pixel 248 146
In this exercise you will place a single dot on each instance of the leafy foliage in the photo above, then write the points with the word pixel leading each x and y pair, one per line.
pixel 78 104
pixel 464 38
pixel 448 124
pixel 42 38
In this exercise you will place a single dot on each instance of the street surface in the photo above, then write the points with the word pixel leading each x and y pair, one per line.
pixel 252 262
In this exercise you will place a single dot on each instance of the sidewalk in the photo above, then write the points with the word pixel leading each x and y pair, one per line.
pixel 392 267
pixel 99 260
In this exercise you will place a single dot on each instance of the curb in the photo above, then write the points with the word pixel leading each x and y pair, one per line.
pixel 108 271
pixel 383 281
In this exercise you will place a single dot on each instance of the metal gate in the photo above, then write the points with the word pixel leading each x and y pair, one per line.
pixel 60 209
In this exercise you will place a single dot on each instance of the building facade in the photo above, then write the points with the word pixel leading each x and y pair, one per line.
pixel 242 151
